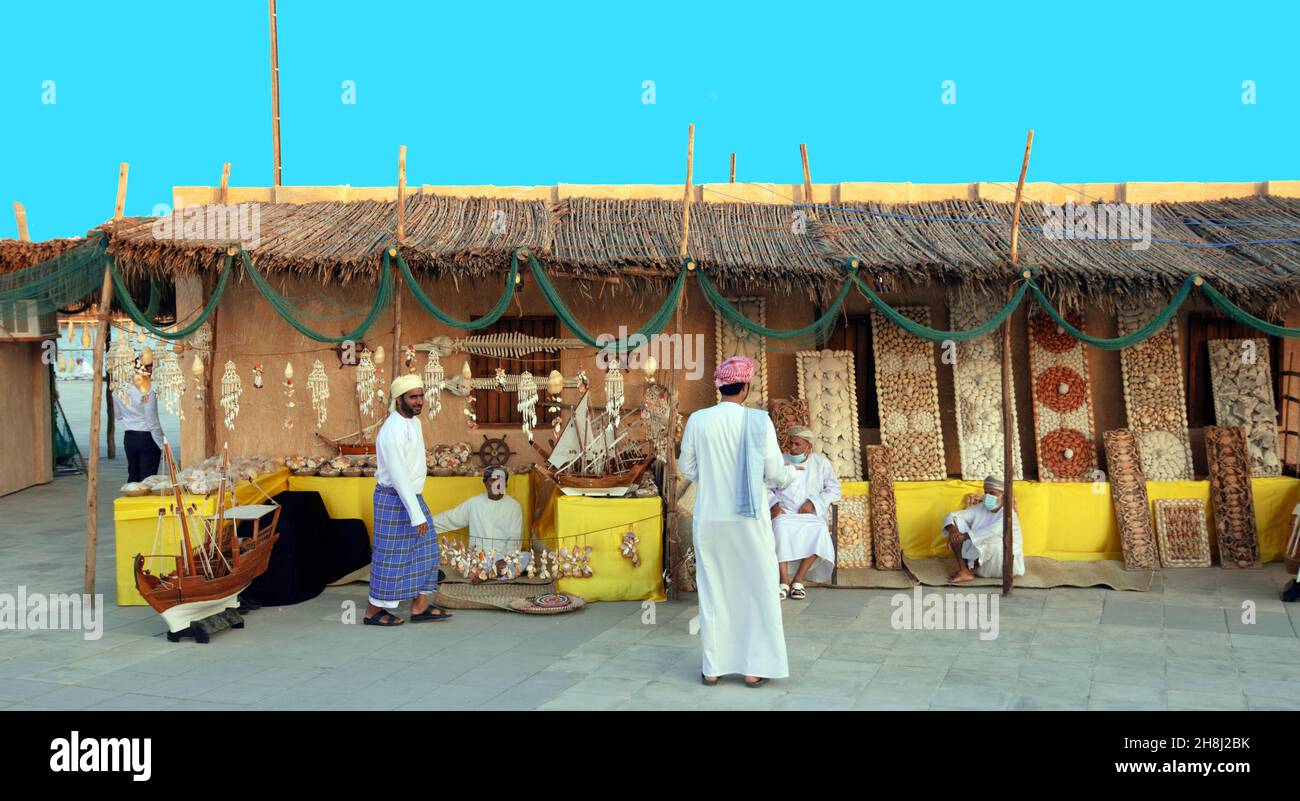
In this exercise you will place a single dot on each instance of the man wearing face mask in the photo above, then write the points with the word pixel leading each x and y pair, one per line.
pixel 799 514
pixel 975 537
pixel 495 522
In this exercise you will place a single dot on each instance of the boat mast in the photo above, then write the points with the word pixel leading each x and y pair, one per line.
pixel 180 510
pixel 221 510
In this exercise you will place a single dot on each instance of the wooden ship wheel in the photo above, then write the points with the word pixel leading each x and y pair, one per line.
pixel 494 452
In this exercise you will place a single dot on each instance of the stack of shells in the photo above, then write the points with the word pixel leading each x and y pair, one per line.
pixel 1154 399
pixel 1180 530
pixel 908 391
pixel 1062 408
pixel 1230 492
pixel 1243 396
pixel 826 384
pixel 853 532
pixel 977 376
pixel 884 509
pixel 1128 492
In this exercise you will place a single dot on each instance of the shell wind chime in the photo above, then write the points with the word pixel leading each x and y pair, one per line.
pixel 231 388
pixel 200 394
pixel 408 358
pixel 121 367
pixel 527 404
pixel 555 388
pixel 614 395
pixel 319 385
pixel 467 376
pixel 170 383
pixel 433 384
pixel 288 396
pixel 366 383
pixel 380 383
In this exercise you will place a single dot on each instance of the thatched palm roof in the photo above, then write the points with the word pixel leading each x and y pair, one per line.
pixel 746 244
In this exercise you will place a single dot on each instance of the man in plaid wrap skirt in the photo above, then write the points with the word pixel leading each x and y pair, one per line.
pixel 404 559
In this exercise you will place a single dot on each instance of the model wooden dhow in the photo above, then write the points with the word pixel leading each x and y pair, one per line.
pixel 592 457
pixel 208 577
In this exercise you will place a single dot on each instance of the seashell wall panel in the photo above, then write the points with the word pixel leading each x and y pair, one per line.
pixel 907 390
pixel 1063 423
pixel 977 378
pixel 787 413
pixel 826 384
pixel 1128 492
pixel 885 544
pixel 1240 378
pixel 853 532
pixel 1230 494
pixel 733 341
pixel 1181 532
pixel 1154 400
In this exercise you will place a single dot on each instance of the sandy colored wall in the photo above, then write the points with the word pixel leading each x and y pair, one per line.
pixel 26 448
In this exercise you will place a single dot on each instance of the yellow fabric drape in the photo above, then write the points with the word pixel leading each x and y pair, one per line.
pixel 601 522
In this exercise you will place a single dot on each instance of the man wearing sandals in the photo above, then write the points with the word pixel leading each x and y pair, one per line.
pixel 404 560
pixel 975 537
pixel 799 516
pixel 731 453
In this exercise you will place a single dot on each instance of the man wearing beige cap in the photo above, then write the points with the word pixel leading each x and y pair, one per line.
pixel 975 537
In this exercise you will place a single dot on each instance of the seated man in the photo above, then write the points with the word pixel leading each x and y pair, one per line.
pixel 495 523
pixel 975 537
pixel 799 516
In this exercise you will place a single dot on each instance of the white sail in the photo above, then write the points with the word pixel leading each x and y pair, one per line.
pixel 569 448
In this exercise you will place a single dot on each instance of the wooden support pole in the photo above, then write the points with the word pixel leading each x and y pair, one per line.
pixel 807 174
pixel 673 549
pixel 275 96
pixel 96 393
pixel 397 279
pixel 224 194
pixel 733 169
pixel 1008 461
pixel 20 217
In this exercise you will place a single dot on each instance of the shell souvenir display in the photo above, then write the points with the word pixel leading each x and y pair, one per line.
pixel 231 389
pixel 367 382
pixel 628 547
pixel 614 394
pixel 732 340
pixel 169 382
pixel 200 389
pixel 120 367
pixel 257 376
pixel 1243 396
pixel 1063 424
pixel 826 384
pixel 434 383
pixel 318 384
pixel 1154 399
pixel 288 396
pixel 977 376
pixel 408 358
pixel 527 404
pixel 467 378
pixel 908 391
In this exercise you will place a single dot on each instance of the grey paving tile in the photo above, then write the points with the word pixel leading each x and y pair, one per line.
pixel 813 703
pixel 1267 624
pixel 1129 693
pixel 1261 702
pixel 23 690
pixel 1208 618
pixel 1190 699
pixel 584 702
pixel 1126 613
pixel 894 696
pixel 64 697
pixel 131 702
pixel 1035 703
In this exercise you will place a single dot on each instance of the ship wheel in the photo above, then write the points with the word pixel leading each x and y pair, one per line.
pixel 494 452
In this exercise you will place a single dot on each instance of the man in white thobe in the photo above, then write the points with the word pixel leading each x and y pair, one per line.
pixel 731 453
pixel 799 513
pixel 975 537
pixel 495 522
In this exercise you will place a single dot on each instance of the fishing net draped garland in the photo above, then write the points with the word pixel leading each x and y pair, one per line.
pixel 319 385
pixel 231 389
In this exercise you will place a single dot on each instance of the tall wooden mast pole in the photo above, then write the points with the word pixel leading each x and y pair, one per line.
pixel 1008 461
pixel 807 174
pixel 223 195
pixel 96 399
pixel 733 168
pixel 673 552
pixel 20 217
pixel 275 96
pixel 397 279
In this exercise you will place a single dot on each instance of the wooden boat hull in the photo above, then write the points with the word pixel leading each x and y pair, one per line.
pixel 192 594
pixel 605 483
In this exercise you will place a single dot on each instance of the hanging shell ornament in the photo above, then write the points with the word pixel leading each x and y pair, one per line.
pixel 170 383
pixel 139 336
pixel 70 333
pixel 555 382
pixel 467 376
pixel 500 378
pixel 527 404
pixel 433 384
pixel 231 388
pixel 408 358
pixel 146 356
pixel 583 382
pixel 319 385
pixel 288 395
pixel 63 362
pixel 366 383
pixel 650 368
pixel 379 356
pixel 121 367
pixel 85 335
pixel 614 395
pixel 555 387
pixel 257 376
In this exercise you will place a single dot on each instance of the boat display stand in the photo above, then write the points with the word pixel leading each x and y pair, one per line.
pixel 201 630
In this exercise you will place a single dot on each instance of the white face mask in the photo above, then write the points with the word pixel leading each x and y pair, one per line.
pixel 990 501
pixel 497 485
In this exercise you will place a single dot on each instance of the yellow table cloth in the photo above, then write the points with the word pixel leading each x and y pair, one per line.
pixel 1075 520
pixel 570 520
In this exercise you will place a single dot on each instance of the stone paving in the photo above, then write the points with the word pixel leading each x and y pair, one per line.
pixel 1181 646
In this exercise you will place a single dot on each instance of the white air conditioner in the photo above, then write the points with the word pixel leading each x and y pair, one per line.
pixel 19 321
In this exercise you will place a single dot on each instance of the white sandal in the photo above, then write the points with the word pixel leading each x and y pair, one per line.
pixel 785 591
pixel 797 592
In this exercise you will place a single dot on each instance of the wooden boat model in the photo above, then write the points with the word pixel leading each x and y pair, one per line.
pixel 207 578
pixel 592 459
